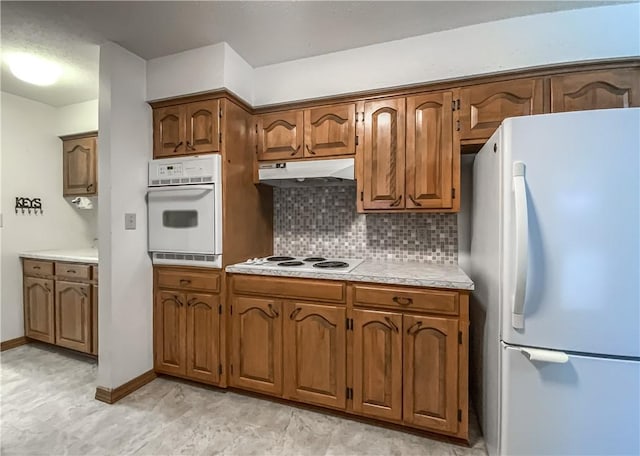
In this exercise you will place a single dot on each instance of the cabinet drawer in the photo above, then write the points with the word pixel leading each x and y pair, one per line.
pixel 440 301
pixel 34 267
pixel 188 280
pixel 320 290
pixel 73 271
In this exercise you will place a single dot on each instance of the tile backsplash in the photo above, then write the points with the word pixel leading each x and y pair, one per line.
pixel 323 221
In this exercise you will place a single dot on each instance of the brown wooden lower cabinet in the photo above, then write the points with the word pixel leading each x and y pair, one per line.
pixel 256 344
pixel 203 337
pixel 73 315
pixel 431 372
pixel 403 364
pixel 170 332
pixel 315 353
pixel 377 364
pixel 61 304
pixel 38 309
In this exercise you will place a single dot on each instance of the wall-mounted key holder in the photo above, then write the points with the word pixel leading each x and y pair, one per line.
pixel 31 205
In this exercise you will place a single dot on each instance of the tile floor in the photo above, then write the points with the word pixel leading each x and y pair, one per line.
pixel 47 407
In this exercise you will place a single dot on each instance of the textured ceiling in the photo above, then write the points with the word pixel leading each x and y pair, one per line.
pixel 261 32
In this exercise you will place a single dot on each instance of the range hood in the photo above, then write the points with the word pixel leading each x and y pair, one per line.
pixel 307 172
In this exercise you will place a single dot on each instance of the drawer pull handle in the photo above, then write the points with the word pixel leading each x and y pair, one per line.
pixel 295 312
pixel 274 312
pixel 414 328
pixel 36 267
pixel 392 324
pixel 402 301
pixel 185 282
pixel 71 271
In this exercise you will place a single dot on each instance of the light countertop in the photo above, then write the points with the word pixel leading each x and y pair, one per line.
pixel 387 272
pixel 86 255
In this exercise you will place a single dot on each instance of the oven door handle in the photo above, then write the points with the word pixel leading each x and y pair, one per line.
pixel 179 188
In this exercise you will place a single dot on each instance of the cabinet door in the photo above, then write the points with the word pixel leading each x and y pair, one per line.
pixel 257 344
pixel 595 90
pixel 169 131
pixel 330 130
pixel 203 337
pixel 315 356
pixel 384 148
pixel 94 320
pixel 170 332
pixel 203 127
pixel 38 309
pixel 79 162
pixel 431 373
pixel 73 315
pixel 484 107
pixel 377 364
pixel 429 153
pixel 280 135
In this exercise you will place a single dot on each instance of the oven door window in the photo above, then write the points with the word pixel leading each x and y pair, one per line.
pixel 179 219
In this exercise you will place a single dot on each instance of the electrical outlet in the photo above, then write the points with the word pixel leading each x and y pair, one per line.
pixel 129 221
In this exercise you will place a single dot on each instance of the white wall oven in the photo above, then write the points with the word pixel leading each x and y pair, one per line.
pixel 185 211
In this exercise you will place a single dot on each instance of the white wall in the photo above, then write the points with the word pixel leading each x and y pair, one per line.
pixel 592 33
pixel 192 71
pixel 125 293
pixel 566 36
pixel 32 167
pixel 238 74
pixel 77 118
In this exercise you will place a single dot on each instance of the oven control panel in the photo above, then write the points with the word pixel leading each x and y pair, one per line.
pixel 185 170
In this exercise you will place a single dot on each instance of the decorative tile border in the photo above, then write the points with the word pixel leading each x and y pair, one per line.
pixel 323 221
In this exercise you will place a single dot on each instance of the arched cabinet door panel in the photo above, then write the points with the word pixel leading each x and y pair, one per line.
pixel 73 315
pixel 256 358
pixel 79 163
pixel 280 135
pixel 38 309
pixel 595 90
pixel 169 131
pixel 315 353
pixel 203 337
pixel 330 131
pixel 170 332
pixel 384 154
pixel 483 107
pixel 203 127
pixel 377 364
pixel 431 373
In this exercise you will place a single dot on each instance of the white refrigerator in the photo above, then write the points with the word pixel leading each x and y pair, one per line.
pixel 555 229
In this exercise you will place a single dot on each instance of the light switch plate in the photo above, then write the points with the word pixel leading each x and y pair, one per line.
pixel 129 221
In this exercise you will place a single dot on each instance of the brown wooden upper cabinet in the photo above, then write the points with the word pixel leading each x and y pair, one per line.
pixel 413 171
pixel 384 154
pixel 483 107
pixel 324 131
pixel 595 90
pixel 186 129
pixel 80 158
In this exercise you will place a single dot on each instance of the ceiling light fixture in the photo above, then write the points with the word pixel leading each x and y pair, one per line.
pixel 34 70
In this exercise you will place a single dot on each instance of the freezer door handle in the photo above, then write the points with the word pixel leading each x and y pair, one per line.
pixel 522 244
pixel 545 356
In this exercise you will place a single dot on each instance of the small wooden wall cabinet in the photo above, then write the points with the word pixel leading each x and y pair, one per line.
pixel 61 304
pixel 80 164
pixel 392 353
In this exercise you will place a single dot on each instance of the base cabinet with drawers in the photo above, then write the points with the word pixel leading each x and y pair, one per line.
pixel 61 304
pixel 187 323
pixel 391 353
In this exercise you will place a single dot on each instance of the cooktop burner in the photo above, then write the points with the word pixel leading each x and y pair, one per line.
pixel 314 259
pixel 280 258
pixel 291 263
pixel 331 265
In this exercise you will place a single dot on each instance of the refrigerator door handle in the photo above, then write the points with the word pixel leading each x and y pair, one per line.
pixel 545 356
pixel 522 244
